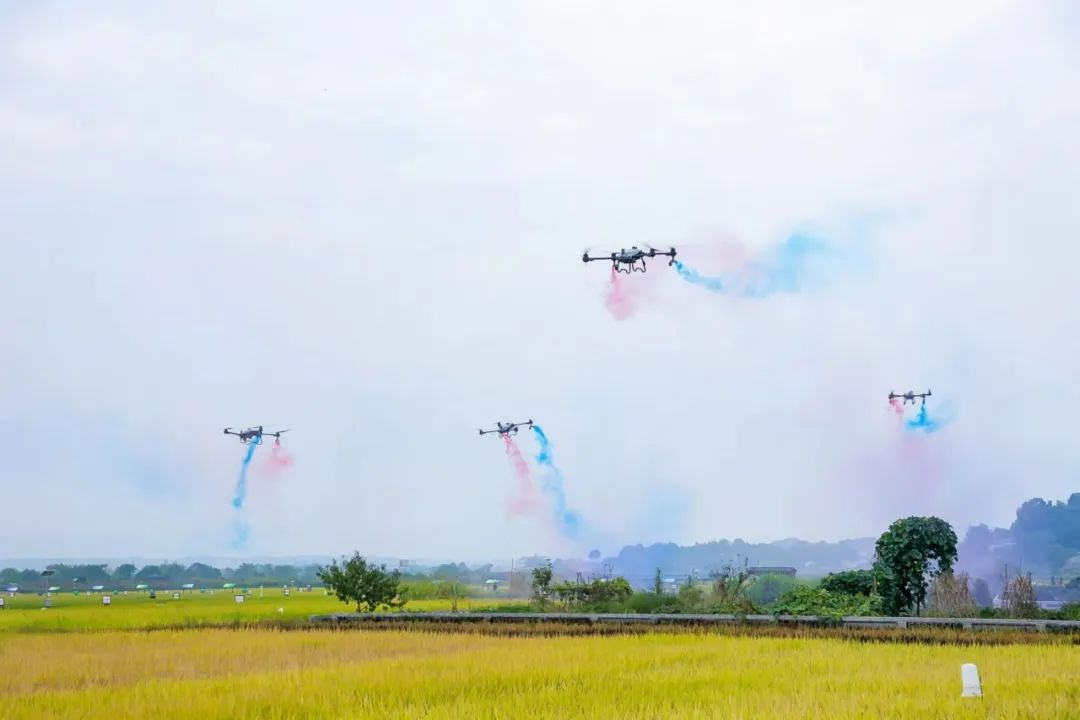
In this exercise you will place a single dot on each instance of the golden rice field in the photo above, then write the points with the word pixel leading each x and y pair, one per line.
pixel 78 660
pixel 264 673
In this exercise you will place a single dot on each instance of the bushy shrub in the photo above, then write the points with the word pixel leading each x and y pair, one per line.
pixel 647 602
pixel 1070 611
pixel 599 595
pixel 850 582
pixel 805 600
pixel 767 589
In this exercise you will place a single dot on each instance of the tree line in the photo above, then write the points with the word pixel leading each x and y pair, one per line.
pixel 128 576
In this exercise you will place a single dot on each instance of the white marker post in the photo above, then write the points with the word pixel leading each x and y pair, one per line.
pixel 106 599
pixel 969 676
pixel 239 599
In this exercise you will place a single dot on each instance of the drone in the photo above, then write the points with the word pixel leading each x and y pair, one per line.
pixel 254 434
pixel 630 258
pixel 507 429
pixel 909 396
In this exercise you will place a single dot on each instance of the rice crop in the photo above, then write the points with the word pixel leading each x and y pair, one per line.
pixel 398 673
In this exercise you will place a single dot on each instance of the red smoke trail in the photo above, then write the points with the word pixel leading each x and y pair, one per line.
pixel 279 460
pixel 527 500
pixel 896 406
pixel 617 301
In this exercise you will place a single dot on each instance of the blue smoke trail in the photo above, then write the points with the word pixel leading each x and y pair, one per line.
pixel 924 422
pixel 786 269
pixel 240 494
pixel 240 533
pixel 567 521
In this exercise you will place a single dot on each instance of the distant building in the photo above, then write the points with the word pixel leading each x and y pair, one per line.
pixel 771 570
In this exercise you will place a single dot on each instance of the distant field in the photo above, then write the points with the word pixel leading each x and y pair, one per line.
pixel 71 613
pixel 258 673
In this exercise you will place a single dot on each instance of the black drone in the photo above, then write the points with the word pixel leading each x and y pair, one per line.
pixel 507 429
pixel 254 434
pixel 631 258
pixel 909 396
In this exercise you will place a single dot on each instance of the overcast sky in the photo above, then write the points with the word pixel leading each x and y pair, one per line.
pixel 365 223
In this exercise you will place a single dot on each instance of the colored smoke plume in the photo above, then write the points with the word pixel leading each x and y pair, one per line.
pixel 923 421
pixel 567 521
pixel 241 531
pixel 240 494
pixel 787 268
pixel 526 499
pixel 897 407
pixel 618 301
pixel 279 460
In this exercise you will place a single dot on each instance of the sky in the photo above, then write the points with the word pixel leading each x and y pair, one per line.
pixel 364 222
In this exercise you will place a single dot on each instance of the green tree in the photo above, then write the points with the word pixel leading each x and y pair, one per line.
pixel 541 583
pixel 124 573
pixel 910 553
pixel 172 574
pixel 200 572
pixel 370 586
pixel 658 583
pixel 149 574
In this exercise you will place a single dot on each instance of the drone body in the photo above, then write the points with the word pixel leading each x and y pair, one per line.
pixel 909 396
pixel 254 434
pixel 631 258
pixel 507 429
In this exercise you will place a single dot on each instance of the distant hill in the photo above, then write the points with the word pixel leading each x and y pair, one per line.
pixel 808 558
